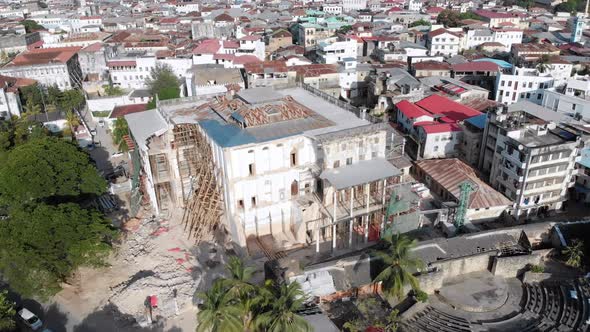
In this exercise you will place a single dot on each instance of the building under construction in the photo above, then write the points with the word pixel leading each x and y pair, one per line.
pixel 277 168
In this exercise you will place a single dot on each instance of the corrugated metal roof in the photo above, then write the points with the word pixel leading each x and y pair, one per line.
pixel 450 173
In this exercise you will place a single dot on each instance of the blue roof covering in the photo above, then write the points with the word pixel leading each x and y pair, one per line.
pixel 501 63
pixel 226 135
pixel 479 120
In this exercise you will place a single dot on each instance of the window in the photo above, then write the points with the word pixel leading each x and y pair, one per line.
pixel 252 169
pixel 253 201
pixel 293 158
pixel 373 154
pixel 348 161
pixel 336 164
pixel 528 95
pixel 530 84
pixel 538 96
pixel 502 83
pixel 435 148
pixel 240 203
pixel 509 83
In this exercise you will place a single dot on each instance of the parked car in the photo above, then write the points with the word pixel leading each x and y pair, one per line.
pixel 101 123
pixel 93 131
pixel 116 154
pixel 30 319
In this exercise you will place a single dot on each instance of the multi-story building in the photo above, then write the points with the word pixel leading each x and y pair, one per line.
pixel 529 154
pixel 269 74
pixel 10 104
pixel 496 19
pixel 13 41
pixel 310 34
pixel 50 67
pixel 331 51
pixel 348 5
pixel 573 98
pixel 532 52
pixel 582 172
pixel 288 168
pixel 522 84
pixel 443 42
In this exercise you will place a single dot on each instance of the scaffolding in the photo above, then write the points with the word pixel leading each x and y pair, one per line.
pixel 203 208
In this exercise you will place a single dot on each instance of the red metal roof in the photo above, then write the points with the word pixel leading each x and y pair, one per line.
pixel 476 66
pixel 441 31
pixel 452 110
pixel 440 128
pixel 410 110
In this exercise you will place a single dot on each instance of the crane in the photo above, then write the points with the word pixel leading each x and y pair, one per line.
pixel 466 188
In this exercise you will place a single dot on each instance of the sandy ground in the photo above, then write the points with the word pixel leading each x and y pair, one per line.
pixel 155 258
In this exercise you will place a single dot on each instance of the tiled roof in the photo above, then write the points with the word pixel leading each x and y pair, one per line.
pixel 122 63
pixel 490 14
pixel 432 65
pixel 275 66
pixel 44 56
pixel 314 70
pixel 441 31
pixel 209 46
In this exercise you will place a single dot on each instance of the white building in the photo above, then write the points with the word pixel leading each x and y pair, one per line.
pixel 331 51
pixel 414 5
pixel 523 84
pixel 252 45
pixel 278 171
pixel 575 98
pixel 529 156
pixel 443 42
pixel 332 9
pixel 50 67
pixel 9 96
pixel 349 5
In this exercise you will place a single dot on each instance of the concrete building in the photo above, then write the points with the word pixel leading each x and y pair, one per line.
pixel 331 51
pixel 443 42
pixel 573 99
pixel 349 5
pixel 10 104
pixel 582 172
pixel 529 53
pixel 528 153
pixel 53 66
pixel 497 19
pixel 203 80
pixel 12 41
pixel 269 74
pixel 291 169
pixel 522 84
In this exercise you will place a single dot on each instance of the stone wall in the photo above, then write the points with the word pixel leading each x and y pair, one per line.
pixel 513 266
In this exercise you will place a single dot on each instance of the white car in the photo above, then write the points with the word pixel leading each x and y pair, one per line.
pixel 101 123
pixel 30 319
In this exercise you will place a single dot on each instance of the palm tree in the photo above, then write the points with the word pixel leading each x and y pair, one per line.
pixel 218 313
pixel 72 121
pixel 574 253
pixel 281 314
pixel 32 108
pixel 543 63
pixel 240 275
pixel 120 130
pixel 400 265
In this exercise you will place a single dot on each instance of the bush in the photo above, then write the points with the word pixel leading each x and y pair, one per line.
pixel 421 296
pixel 536 268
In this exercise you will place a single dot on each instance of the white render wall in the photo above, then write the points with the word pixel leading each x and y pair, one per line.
pixel 524 85
pixel 441 145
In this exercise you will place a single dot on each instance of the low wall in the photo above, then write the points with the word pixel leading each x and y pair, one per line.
pixel 513 266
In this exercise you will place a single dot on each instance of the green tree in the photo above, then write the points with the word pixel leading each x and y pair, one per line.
pixel 161 78
pixel 448 18
pixel 42 245
pixel 31 108
pixel 111 90
pixel 165 94
pixel 31 25
pixel 53 95
pixel 420 23
pixel 31 94
pixel 47 170
pixel 400 265
pixel 281 315
pixel 344 29
pixel 7 312
pixel 574 253
pixel 71 99
pixel 218 312
pixel 121 128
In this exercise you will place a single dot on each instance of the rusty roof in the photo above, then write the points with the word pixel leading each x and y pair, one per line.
pixel 314 70
pixel 450 173
pixel 44 56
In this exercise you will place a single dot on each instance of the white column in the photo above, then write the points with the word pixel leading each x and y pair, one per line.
pixel 334 220
pixel 351 218
pixel 317 236
pixel 367 188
